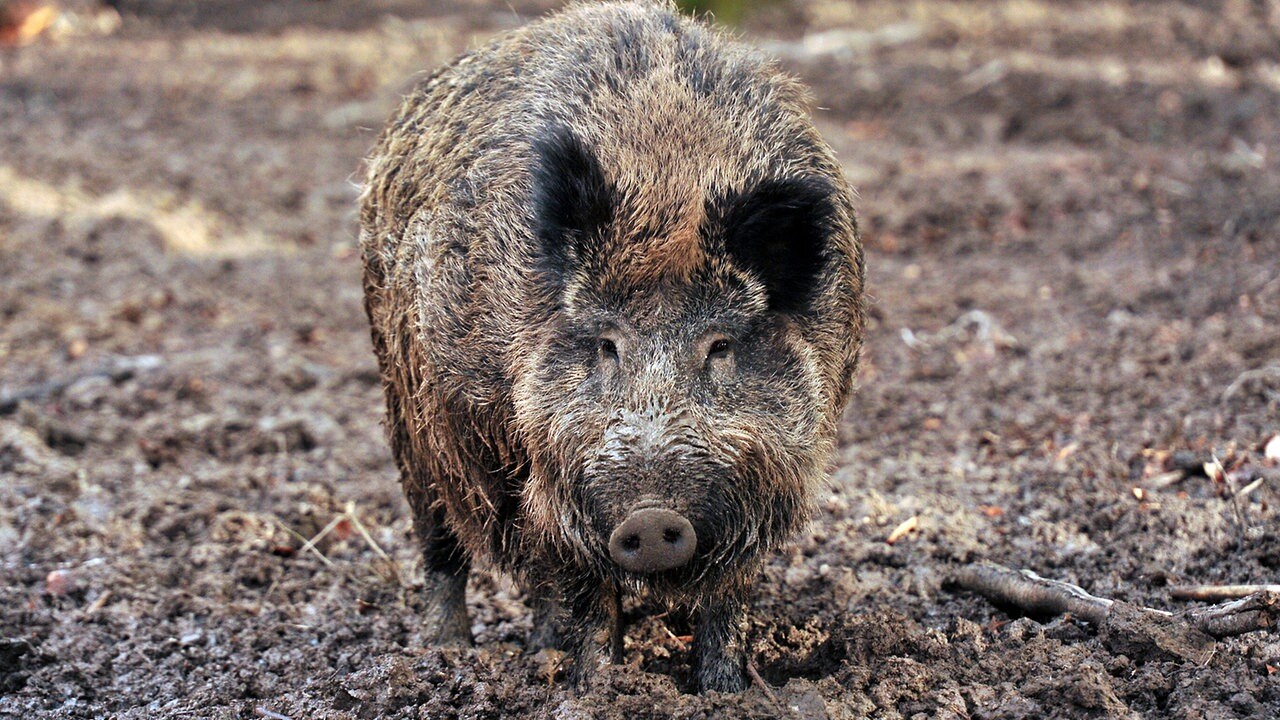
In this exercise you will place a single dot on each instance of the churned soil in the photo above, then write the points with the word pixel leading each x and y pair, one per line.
pixel 1072 216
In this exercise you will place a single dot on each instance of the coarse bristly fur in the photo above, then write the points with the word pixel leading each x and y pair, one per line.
pixel 610 264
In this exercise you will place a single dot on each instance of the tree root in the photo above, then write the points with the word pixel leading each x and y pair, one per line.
pixel 1031 594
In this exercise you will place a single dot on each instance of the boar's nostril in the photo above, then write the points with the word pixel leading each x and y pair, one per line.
pixel 652 540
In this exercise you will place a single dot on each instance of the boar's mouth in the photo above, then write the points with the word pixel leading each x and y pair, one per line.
pixel 733 521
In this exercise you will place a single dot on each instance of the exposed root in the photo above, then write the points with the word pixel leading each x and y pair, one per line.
pixel 1034 595
pixel 1258 611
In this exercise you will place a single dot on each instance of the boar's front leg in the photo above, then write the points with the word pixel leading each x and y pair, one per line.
pixel 593 636
pixel 719 648
pixel 446 563
pixel 548 616
pixel 445 579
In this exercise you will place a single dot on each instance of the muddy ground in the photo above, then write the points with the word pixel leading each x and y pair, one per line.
pixel 1072 213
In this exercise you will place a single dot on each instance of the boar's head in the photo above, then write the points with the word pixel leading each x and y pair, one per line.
pixel 673 402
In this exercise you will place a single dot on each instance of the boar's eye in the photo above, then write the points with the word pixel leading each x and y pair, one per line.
pixel 719 349
pixel 608 349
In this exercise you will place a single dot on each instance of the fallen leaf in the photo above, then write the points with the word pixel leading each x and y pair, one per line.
pixel 1163 480
pixel 21 22
pixel 1214 471
pixel 343 530
pixel 903 528
pixel 549 664
pixel 76 348
pixel 57 582
pixel 1272 451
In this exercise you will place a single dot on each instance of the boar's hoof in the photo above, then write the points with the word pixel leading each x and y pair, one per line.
pixel 652 540
pixel 446 617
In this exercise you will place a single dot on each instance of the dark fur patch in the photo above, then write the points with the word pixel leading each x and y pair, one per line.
pixel 778 230
pixel 572 199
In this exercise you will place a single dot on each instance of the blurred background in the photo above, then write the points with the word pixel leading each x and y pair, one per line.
pixel 1072 218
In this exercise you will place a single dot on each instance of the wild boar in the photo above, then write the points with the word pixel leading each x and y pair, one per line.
pixel 615 285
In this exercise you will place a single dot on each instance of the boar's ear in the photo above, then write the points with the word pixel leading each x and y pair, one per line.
pixel 778 230
pixel 572 200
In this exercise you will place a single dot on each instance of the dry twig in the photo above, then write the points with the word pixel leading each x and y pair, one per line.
pixel 760 683
pixel 1244 491
pixel 1218 592
pixel 311 544
pixel 98 603
pixel 392 567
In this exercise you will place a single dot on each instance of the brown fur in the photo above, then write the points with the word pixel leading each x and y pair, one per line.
pixel 492 422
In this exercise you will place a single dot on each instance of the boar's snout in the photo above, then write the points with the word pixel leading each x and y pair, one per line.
pixel 652 540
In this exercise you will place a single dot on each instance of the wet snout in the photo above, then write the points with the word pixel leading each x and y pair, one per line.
pixel 652 540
